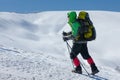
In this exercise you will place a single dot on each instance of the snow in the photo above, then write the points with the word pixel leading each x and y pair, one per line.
pixel 31 46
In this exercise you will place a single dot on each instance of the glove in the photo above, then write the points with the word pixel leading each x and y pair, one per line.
pixel 64 33
pixel 65 38
pixel 77 38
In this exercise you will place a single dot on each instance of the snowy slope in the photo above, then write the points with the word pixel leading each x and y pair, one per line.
pixel 31 46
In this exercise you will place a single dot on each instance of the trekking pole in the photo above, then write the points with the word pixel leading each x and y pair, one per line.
pixel 69 53
pixel 82 61
pixel 85 69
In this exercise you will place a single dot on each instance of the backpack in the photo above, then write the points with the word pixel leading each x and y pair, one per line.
pixel 87 30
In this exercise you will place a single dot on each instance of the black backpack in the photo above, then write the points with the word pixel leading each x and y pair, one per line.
pixel 87 30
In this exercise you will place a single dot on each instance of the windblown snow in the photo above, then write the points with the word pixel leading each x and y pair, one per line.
pixel 31 46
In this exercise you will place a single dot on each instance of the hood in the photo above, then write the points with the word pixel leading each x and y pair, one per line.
pixel 72 16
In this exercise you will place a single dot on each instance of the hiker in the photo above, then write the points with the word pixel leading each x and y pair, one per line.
pixel 79 46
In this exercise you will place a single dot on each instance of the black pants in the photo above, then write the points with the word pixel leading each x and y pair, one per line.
pixel 79 48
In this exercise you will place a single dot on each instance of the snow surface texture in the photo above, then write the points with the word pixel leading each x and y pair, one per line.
pixel 31 46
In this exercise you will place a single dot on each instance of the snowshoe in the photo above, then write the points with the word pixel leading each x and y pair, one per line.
pixel 95 72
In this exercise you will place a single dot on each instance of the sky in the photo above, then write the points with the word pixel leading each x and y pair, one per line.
pixel 28 6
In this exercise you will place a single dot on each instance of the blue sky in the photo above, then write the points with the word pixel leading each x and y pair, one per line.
pixel 28 6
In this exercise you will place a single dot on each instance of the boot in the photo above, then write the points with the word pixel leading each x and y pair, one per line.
pixel 78 70
pixel 94 69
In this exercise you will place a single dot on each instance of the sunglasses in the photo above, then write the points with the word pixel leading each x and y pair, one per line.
pixel 68 16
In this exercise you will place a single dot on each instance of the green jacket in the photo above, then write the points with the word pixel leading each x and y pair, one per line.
pixel 73 23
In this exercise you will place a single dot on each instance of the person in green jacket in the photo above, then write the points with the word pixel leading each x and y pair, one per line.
pixel 79 46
